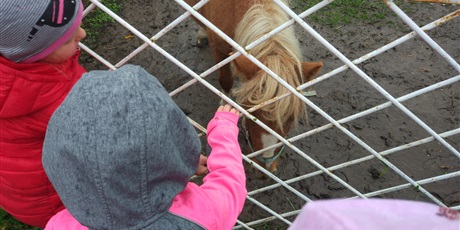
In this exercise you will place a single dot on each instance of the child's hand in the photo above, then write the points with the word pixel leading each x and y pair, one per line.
pixel 202 167
pixel 228 108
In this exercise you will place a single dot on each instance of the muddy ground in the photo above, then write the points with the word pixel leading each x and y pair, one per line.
pixel 401 70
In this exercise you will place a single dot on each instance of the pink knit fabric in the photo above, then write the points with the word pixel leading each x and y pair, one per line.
pixel 375 214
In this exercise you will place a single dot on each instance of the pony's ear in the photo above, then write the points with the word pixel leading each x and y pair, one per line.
pixel 245 66
pixel 310 69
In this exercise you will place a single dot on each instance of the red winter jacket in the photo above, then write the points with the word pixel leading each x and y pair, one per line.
pixel 29 94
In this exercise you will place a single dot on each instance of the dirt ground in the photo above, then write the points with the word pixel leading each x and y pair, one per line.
pixel 408 67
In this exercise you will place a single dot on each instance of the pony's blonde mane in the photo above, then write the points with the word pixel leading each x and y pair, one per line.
pixel 280 53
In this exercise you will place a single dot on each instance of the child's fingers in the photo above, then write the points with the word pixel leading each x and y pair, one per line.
pixel 224 108
pixel 202 167
pixel 201 170
pixel 235 111
pixel 228 108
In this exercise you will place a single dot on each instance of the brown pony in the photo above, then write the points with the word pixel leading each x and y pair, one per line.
pixel 246 21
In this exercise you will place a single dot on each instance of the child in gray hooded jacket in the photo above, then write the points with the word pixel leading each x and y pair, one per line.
pixel 120 153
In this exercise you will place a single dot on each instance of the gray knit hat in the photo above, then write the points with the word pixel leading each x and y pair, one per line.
pixel 32 30
pixel 118 150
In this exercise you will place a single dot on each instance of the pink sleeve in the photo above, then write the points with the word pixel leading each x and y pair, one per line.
pixel 217 203
pixel 64 220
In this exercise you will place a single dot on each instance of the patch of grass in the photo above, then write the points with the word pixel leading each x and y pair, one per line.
pixel 290 204
pixel 97 19
pixel 385 170
pixel 343 12
pixel 7 222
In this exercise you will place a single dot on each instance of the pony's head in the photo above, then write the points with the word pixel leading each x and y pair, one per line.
pixel 281 53
pixel 257 87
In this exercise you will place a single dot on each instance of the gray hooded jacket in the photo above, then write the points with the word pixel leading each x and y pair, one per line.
pixel 118 150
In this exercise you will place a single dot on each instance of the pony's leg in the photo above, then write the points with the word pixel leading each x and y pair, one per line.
pixel 225 73
pixel 202 37
pixel 225 80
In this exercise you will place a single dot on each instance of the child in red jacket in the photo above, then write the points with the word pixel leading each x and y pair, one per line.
pixel 38 67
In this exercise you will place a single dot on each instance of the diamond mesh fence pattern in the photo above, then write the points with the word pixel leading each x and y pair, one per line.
pixel 383 112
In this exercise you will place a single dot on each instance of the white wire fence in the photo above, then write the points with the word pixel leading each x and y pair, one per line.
pixel 418 160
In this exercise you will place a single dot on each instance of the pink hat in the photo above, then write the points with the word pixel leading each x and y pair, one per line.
pixel 375 214
pixel 32 30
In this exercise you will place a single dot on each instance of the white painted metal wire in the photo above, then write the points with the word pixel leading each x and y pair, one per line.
pixel 317 168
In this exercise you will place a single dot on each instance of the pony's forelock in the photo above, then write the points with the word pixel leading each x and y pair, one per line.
pixel 281 54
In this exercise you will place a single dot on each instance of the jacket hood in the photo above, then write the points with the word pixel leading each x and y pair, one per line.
pixel 118 149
